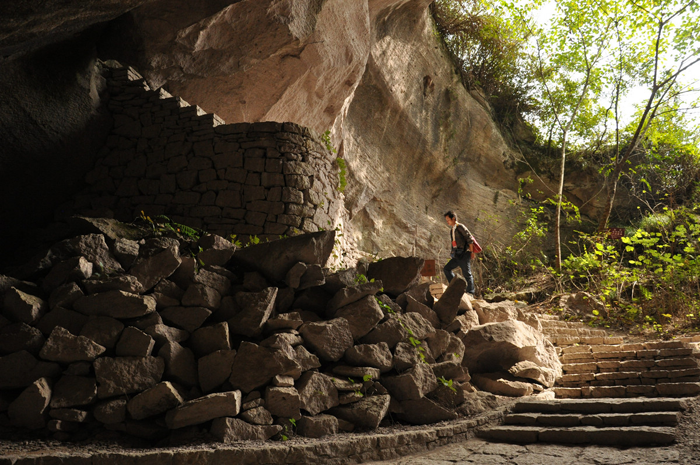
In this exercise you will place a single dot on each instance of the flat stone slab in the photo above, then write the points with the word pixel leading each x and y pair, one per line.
pixel 595 406
pixel 625 436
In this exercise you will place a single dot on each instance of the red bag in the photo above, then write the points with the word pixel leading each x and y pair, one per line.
pixel 475 247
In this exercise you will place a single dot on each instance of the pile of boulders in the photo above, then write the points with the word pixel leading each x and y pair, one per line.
pixel 168 333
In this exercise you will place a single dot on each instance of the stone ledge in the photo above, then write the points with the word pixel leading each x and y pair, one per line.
pixel 331 450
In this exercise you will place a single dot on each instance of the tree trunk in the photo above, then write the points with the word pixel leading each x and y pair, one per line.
pixel 560 195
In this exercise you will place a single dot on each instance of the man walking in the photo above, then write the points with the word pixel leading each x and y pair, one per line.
pixel 461 255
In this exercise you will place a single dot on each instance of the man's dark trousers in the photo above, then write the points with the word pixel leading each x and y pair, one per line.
pixel 465 263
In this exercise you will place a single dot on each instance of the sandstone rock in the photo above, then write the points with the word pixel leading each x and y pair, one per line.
pixel 496 311
pixel 70 414
pixel 501 384
pixel 126 283
pixel 317 426
pixel 413 306
pixel 213 279
pixel 463 322
pixel 406 356
pixel 367 413
pixel 20 336
pixel 362 316
pixel 340 279
pixel 209 339
pixel 163 334
pixel 582 303
pixel 180 364
pixel 396 273
pixel 293 278
pixel 229 430
pixel 103 330
pixel 203 409
pixel 317 393
pixel 454 351
pixel 313 276
pixel 154 401
pixel 126 251
pixel 283 381
pixel 152 269
pixel 116 304
pixel 146 321
pixel 257 416
pixel 29 410
pixel 438 342
pixel 111 411
pixel 274 259
pixel 283 402
pixel 134 343
pixel 329 339
pixel 285 300
pixel 284 321
pixel 413 384
pixel 21 369
pixel 356 372
pixel 199 295
pixel 216 250
pixel 352 294
pixel 91 246
pixel 71 270
pixel 420 293
pixel 187 318
pixel 506 343
pixel 448 394
pixel 306 360
pixel 451 370
pixel 214 369
pixel 169 289
pixel 424 411
pixel 374 355
pixel 313 300
pixel 281 340
pixel 393 330
pixel 447 306
pixel 73 391
pixel 63 347
pixel 255 366
pixel 127 375
pixel 255 310
pixel 388 305
pixel 22 307
pixel 530 370
pixel 65 296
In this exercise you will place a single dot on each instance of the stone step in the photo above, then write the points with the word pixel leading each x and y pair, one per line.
pixel 598 420
pixel 617 436
pixel 597 406
pixel 563 341
pixel 679 389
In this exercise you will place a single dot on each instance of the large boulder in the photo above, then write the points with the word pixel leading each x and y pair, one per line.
pixel 448 304
pixel 412 384
pixel 274 259
pixel 502 384
pixel 397 273
pixel 317 393
pixel 328 339
pixel 501 345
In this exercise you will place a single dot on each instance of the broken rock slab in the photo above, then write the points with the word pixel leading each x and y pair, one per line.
pixel 501 384
pixel 424 411
pixel 254 366
pixel 63 347
pixel 73 391
pixel 371 355
pixel 22 307
pixel 328 339
pixel 180 364
pixel 448 304
pixel 531 371
pixel 413 306
pixel 29 410
pixel 412 384
pixel 214 369
pixel 203 409
pixel 317 426
pixel 366 414
pixel 349 295
pixel 20 336
pixel 208 339
pixel 117 304
pixel 152 269
pixel 274 259
pixel 503 344
pixel 317 393
pixel 154 401
pixel 127 375
pixel 283 402
pixel 229 430
pixel 255 310
pixel 362 315
pixel 397 274
pixel 187 318
pixel 103 330
pixel 21 369
pixel 134 343
pixel 59 316
pixel 215 250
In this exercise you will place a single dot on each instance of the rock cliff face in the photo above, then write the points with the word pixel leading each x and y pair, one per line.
pixel 373 72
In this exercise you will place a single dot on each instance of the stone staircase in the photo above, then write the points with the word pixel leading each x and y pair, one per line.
pixel 612 392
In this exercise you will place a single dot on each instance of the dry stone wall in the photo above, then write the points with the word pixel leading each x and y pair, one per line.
pixel 166 157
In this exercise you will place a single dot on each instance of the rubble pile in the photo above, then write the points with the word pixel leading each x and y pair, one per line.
pixel 174 333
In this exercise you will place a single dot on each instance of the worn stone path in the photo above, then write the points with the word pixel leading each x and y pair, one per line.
pixel 481 452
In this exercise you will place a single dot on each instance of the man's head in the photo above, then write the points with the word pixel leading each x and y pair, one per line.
pixel 451 218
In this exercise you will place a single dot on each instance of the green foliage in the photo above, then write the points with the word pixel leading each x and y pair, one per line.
pixel 162 225
pixel 447 383
pixel 326 139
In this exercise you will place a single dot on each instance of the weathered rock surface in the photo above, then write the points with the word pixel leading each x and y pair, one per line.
pixel 396 274
pixel 127 375
pixel 20 336
pixel 506 343
pixel 255 310
pixel 393 331
pixel 372 355
pixel 180 364
pixel 283 402
pixel 21 369
pixel 209 339
pixel 214 369
pixel 317 426
pixel 152 269
pixel 274 259
pixel 216 250
pixel 412 384
pixel 117 304
pixel 229 430
pixel 424 411
pixel 317 393
pixel 203 409
pixel 328 339
pixel 29 410
pixel 367 413
pixel 501 384
pixel 73 391
pixel 531 371
pixel 156 400
pixel 22 307
pixel 63 347
pixel 362 316
pixel 103 330
pixel 134 343
pixel 348 295
pixel 187 318
pixel 255 366
pixel 448 304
